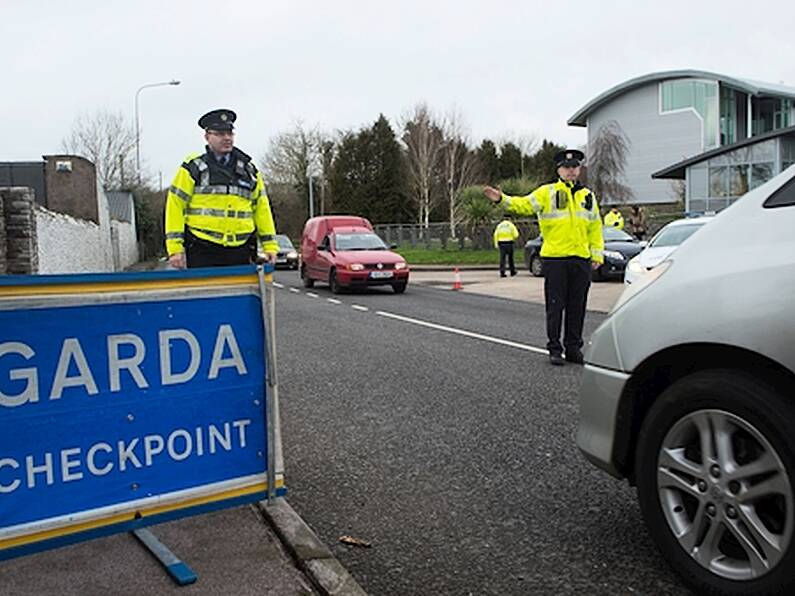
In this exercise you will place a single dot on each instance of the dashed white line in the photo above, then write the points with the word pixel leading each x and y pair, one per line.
pixel 496 340
pixel 333 301
pixel 360 308
pixel 295 290
pixel 276 284
pixel 312 295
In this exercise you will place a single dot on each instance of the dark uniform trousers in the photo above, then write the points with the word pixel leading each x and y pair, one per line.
pixel 566 283
pixel 506 253
pixel 203 253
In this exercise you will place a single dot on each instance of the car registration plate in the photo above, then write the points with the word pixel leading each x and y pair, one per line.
pixel 380 274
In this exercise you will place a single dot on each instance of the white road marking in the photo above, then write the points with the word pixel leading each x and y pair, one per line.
pixel 361 308
pixel 312 295
pixel 495 340
pixel 295 290
pixel 333 301
pixel 276 284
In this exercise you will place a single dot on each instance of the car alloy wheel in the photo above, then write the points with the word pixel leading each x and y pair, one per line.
pixel 725 494
pixel 715 469
pixel 536 266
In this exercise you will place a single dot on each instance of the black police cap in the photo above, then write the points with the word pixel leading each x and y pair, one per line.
pixel 569 157
pixel 218 120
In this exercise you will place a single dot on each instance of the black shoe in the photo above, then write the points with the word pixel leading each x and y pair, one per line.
pixel 502 275
pixel 513 273
pixel 556 360
pixel 575 357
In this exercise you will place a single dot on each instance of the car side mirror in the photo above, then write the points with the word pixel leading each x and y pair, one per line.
pixel 393 246
pixel 643 243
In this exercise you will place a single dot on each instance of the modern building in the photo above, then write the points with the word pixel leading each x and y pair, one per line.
pixel 717 178
pixel 669 117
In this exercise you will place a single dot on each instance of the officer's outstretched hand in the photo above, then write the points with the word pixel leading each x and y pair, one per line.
pixel 492 194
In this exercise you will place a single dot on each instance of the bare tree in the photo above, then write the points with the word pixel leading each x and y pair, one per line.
pixel 294 155
pixel 106 139
pixel 459 163
pixel 607 158
pixel 423 140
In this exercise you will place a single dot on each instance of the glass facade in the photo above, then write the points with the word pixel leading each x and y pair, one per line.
pixel 716 183
pixel 701 96
pixel 770 113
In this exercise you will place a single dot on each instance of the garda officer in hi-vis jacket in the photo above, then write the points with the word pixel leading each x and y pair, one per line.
pixel 216 208
pixel 569 222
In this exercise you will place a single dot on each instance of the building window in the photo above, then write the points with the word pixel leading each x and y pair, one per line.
pixel 719 181
pixel 700 96
pixel 760 173
pixel 771 114
pixel 728 116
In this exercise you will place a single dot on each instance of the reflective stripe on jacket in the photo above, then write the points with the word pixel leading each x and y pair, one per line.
pixel 224 205
pixel 505 232
pixel 614 219
pixel 568 219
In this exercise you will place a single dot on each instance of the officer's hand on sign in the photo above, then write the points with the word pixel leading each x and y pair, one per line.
pixel 595 265
pixel 269 257
pixel 492 194
pixel 177 260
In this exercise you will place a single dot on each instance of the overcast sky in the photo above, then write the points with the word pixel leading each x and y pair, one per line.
pixel 509 67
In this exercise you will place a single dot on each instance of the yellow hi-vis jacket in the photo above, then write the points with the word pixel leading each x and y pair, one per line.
pixel 505 232
pixel 614 219
pixel 224 205
pixel 568 219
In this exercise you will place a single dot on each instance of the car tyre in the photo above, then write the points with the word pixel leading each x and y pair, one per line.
pixel 536 266
pixel 727 517
pixel 400 287
pixel 308 281
pixel 333 283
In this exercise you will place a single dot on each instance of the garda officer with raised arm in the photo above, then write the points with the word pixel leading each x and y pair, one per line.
pixel 569 222
pixel 216 208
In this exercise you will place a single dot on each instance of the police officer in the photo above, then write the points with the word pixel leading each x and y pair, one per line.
pixel 216 208
pixel 568 219
pixel 614 219
pixel 504 236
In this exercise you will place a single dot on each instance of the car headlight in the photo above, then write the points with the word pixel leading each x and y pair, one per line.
pixel 614 254
pixel 399 266
pixel 292 255
pixel 643 282
pixel 356 267
pixel 634 266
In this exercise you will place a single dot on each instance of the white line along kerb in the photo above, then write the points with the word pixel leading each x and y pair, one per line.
pixel 361 308
pixel 495 340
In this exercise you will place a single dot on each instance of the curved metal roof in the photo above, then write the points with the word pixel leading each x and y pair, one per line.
pixel 747 85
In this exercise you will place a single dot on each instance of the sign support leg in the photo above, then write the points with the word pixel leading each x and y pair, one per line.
pixel 176 568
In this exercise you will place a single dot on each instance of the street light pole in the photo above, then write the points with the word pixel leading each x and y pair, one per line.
pixel 137 127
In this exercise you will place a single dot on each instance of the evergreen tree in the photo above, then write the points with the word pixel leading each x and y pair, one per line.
pixel 541 165
pixel 368 176
pixel 488 162
pixel 510 161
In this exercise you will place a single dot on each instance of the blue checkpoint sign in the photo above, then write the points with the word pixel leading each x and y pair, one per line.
pixel 128 400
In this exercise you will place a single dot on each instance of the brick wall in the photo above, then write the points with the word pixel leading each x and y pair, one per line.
pixel 19 215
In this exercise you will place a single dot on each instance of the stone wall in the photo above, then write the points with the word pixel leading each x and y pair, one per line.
pixel 70 245
pixel 19 215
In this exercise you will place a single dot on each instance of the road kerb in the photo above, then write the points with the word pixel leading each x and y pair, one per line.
pixel 311 555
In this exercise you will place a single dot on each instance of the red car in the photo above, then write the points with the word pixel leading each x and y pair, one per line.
pixel 343 251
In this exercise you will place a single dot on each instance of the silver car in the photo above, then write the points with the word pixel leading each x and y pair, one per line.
pixel 689 393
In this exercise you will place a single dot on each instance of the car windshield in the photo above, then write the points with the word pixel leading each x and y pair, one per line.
pixel 284 242
pixel 674 235
pixel 358 242
pixel 612 234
